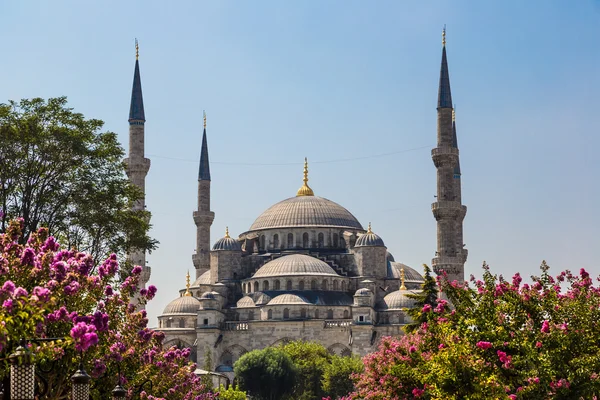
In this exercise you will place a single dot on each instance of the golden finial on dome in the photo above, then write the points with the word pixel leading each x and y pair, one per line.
pixel 227 232
pixel 137 50
pixel 187 284
pixel 369 230
pixel 305 190
pixel 204 116
pixel 402 287
pixel 444 36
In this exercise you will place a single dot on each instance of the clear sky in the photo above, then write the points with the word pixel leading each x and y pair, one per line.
pixel 339 80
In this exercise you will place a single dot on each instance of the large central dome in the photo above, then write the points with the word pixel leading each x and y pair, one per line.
pixel 304 211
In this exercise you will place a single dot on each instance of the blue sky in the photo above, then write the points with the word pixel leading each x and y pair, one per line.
pixel 340 80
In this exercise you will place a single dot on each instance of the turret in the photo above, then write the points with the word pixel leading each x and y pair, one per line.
pixel 448 210
pixel 137 164
pixel 203 217
pixel 370 254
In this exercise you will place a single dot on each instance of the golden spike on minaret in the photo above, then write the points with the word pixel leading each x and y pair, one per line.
pixel 402 287
pixel 305 190
pixel 369 230
pixel 187 284
pixel 444 36
pixel 227 232
pixel 204 115
pixel 137 50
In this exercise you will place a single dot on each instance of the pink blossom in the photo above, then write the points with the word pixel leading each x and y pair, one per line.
pixel 545 327
pixel 484 345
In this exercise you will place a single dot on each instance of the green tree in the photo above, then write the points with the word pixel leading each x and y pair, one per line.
pixel 231 393
pixel 207 379
pixel 267 374
pixel 59 171
pixel 311 360
pixel 428 295
pixel 337 377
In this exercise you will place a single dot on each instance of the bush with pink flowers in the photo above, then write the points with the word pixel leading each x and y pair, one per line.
pixel 501 339
pixel 49 292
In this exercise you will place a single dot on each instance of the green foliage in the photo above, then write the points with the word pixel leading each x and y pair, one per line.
pixel 428 295
pixel 59 171
pixel 337 380
pixel 231 393
pixel 267 374
pixel 207 379
pixel 311 360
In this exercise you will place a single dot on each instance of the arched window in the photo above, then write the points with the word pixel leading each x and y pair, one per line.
pixel 401 318
pixel 324 285
pixel 262 242
pixel 321 240
pixel 275 241
pixel 330 314
pixel 286 313
pixel 256 286
pixel 243 287
pixel 343 286
pixel 290 240
pixel 270 314
pixel 250 315
pixel 336 285
pixel 346 315
pixel 305 240
pixel 277 285
pixel 303 313
pixel 160 324
pixel 265 285
pixel 168 323
pixel 288 285
pixel 317 313
pixel 335 240
pixel 313 285
pixel 301 285
pixel 182 323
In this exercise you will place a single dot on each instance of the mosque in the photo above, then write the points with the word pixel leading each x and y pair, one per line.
pixel 306 268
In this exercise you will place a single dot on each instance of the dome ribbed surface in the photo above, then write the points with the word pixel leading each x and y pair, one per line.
pixel 398 300
pixel 410 274
pixel 305 211
pixel 369 239
pixel 203 279
pixel 227 243
pixel 294 264
pixel 245 301
pixel 183 305
pixel 288 299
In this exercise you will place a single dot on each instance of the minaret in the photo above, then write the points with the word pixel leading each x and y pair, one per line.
pixel 203 218
pixel 448 210
pixel 137 164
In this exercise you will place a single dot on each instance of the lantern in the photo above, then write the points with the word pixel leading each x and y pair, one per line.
pixel 22 375
pixel 81 384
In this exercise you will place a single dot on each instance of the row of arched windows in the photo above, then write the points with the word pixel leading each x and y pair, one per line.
pixel 303 314
pixel 290 244
pixel 249 287
pixel 170 323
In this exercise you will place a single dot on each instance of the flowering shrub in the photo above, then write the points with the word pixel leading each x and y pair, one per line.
pixel 501 340
pixel 49 292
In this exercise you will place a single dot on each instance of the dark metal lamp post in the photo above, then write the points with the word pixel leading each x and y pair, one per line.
pixel 22 375
pixel 81 384
pixel 119 393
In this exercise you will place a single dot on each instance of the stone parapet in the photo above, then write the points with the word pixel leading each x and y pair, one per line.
pixel 448 210
pixel 444 156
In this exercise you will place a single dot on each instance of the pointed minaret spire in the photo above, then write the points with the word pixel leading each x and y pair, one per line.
pixel 204 172
pixel 444 94
pixel 136 109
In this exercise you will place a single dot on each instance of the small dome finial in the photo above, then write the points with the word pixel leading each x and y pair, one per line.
pixel 369 230
pixel 305 190
pixel 227 232
pixel 204 116
pixel 444 36
pixel 402 276
pixel 137 50
pixel 187 284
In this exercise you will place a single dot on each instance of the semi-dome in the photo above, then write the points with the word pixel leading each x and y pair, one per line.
pixel 288 298
pixel 398 300
pixel 306 211
pixel 203 279
pixel 410 274
pixel 245 301
pixel 227 243
pixel 294 264
pixel 208 295
pixel 369 239
pixel 363 292
pixel 183 305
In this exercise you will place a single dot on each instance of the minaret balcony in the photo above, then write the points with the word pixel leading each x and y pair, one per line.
pixel 448 210
pixel 136 165
pixel 203 217
pixel 451 265
pixel 444 156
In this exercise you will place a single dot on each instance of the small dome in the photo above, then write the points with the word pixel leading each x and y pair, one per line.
pixel 245 301
pixel 389 257
pixel 183 305
pixel 208 295
pixel 369 239
pixel 288 299
pixel 294 264
pixel 363 292
pixel 227 243
pixel 203 279
pixel 398 300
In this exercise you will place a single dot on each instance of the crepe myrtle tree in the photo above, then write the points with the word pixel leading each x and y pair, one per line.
pixel 50 292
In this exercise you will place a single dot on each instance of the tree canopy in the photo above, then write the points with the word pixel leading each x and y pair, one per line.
pixel 311 360
pixel 58 170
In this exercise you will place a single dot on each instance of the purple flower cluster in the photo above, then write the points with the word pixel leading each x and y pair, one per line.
pixel 84 336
